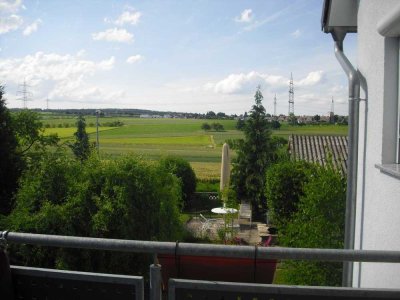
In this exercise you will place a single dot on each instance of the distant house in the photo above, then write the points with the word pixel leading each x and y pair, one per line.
pixel 305 119
pixel 145 116
pixel 320 149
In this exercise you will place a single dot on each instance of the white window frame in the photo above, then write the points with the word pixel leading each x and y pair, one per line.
pixel 398 111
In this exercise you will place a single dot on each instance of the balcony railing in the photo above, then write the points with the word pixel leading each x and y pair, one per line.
pixel 98 286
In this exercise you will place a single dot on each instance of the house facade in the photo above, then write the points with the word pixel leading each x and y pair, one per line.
pixel 377 200
pixel 378 194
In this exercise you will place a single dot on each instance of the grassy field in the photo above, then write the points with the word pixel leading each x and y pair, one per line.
pixel 153 138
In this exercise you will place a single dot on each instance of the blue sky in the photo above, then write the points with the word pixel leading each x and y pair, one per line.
pixel 188 56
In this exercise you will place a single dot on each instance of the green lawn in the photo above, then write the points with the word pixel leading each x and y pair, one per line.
pixel 153 138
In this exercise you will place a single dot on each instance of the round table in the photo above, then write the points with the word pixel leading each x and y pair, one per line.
pixel 224 210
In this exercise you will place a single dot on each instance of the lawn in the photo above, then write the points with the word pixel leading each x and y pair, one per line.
pixel 154 138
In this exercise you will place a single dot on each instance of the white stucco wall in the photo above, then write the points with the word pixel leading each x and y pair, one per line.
pixel 378 197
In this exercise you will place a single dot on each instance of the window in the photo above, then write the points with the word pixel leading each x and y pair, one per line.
pixel 390 163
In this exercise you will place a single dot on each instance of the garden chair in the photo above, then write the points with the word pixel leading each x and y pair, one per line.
pixel 206 223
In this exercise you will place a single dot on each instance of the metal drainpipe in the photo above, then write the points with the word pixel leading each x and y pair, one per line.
pixel 352 159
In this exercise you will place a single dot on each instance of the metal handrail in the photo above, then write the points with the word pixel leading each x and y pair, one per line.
pixel 202 249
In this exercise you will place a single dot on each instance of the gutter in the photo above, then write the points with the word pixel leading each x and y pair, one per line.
pixel 352 160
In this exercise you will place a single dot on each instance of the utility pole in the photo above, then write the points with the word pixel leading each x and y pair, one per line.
pixel 275 105
pixel 97 131
pixel 291 95
pixel 24 94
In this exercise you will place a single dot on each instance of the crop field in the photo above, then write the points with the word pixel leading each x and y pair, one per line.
pixel 69 132
pixel 154 138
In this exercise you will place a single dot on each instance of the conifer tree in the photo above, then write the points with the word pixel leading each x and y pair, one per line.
pixel 81 147
pixel 254 153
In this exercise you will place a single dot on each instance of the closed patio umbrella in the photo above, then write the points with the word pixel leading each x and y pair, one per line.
pixel 225 169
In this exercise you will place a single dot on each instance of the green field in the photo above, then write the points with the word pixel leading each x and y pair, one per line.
pixel 153 138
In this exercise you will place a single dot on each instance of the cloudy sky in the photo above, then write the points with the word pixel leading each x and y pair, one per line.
pixel 187 56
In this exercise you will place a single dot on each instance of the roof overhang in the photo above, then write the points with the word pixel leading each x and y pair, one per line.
pixel 339 15
pixel 389 25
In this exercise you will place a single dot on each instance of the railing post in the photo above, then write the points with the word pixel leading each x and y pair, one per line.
pixel 155 281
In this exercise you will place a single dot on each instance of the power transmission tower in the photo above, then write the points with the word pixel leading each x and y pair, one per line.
pixel 47 103
pixel 332 112
pixel 275 105
pixel 24 94
pixel 291 95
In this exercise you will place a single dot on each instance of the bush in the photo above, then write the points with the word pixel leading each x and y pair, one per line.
pixel 125 198
pixel 318 223
pixel 217 126
pixel 284 187
pixel 181 169
pixel 113 124
pixel 205 126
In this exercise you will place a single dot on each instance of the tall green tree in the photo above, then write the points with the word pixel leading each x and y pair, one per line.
pixel 10 160
pixel 30 133
pixel 254 153
pixel 81 147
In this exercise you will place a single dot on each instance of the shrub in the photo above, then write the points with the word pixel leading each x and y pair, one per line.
pixel 318 223
pixel 125 198
pixel 217 126
pixel 205 126
pixel 181 169
pixel 284 187
pixel 113 124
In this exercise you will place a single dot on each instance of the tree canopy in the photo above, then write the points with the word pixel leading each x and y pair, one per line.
pixel 181 169
pixel 10 160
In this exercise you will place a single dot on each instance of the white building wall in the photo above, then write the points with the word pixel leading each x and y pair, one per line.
pixel 378 197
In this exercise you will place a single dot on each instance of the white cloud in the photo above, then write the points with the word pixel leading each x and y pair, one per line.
pixel 32 27
pixel 134 58
pixel 57 76
pixel 128 17
pixel 81 53
pixel 275 16
pixel 50 66
pixel 312 79
pixel 10 23
pixel 7 6
pixel 297 33
pixel 244 83
pixel 114 35
pixel 246 16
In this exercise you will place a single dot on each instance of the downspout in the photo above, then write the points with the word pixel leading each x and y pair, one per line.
pixel 352 158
